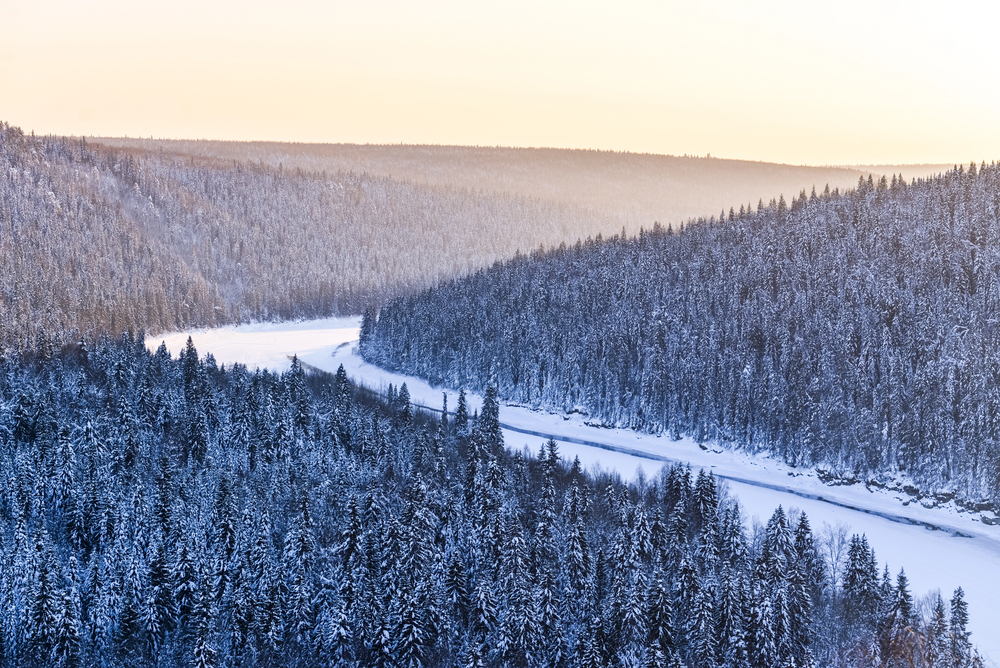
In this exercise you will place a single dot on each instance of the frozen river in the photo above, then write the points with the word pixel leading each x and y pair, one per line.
pixel 940 548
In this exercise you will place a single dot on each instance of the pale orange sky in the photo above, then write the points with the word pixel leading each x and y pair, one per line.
pixel 828 83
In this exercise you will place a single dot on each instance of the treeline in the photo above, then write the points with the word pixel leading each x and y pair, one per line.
pixel 856 330
pixel 170 512
pixel 95 240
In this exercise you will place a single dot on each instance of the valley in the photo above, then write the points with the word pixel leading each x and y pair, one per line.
pixel 942 547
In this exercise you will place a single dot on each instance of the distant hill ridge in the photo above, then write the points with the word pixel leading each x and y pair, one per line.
pixel 98 240
pixel 100 236
pixel 637 188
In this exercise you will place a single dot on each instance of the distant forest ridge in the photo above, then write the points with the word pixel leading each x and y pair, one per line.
pixel 96 240
pixel 636 188
pixel 135 235
pixel 856 330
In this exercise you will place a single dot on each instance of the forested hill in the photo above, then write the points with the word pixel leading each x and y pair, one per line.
pixel 636 188
pixel 96 240
pixel 168 512
pixel 858 330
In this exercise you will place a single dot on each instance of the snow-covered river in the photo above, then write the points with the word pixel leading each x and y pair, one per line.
pixel 940 548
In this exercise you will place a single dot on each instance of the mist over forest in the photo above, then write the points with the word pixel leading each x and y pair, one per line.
pixel 96 238
pixel 636 188
pixel 96 241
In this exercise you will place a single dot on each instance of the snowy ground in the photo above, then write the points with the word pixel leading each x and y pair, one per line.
pixel 940 548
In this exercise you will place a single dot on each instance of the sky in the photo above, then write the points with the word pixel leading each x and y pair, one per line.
pixel 849 82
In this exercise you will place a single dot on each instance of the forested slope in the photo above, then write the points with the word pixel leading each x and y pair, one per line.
pixel 158 511
pixel 855 330
pixel 95 240
pixel 142 234
pixel 635 188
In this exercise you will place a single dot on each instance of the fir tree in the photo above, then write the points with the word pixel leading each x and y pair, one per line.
pixel 488 424
pixel 461 413
pixel 958 625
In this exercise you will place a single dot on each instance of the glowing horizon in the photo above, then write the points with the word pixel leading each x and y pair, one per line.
pixel 847 83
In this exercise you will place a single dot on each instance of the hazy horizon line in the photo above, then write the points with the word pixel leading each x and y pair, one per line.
pixel 512 147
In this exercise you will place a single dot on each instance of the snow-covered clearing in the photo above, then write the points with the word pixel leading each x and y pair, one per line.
pixel 940 548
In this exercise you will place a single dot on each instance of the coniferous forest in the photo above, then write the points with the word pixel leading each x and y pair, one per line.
pixel 96 241
pixel 170 512
pixel 632 188
pixel 854 330
pixel 96 238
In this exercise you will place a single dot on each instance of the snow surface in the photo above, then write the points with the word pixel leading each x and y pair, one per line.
pixel 940 548
pixel 266 345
